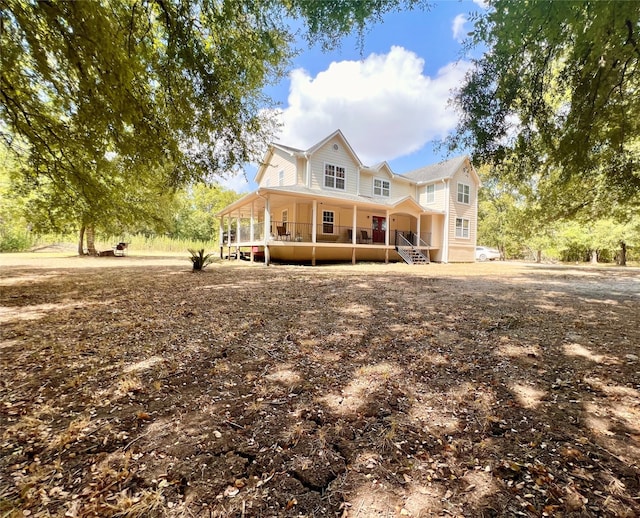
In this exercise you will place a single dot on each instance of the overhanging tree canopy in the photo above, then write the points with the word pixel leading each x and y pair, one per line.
pixel 108 96
pixel 558 88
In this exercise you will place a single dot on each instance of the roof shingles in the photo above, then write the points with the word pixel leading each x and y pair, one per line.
pixel 433 172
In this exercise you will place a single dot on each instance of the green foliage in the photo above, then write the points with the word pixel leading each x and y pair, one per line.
pixel 15 241
pixel 556 93
pixel 328 20
pixel 199 259
pixel 111 105
pixel 196 218
pixel 530 219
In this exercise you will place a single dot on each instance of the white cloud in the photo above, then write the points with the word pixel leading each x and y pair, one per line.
pixel 238 182
pixel 457 27
pixel 385 105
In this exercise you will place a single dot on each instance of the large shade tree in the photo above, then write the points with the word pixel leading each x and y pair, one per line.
pixel 556 90
pixel 110 101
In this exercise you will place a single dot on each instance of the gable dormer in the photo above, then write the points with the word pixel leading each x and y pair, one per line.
pixel 279 167
pixel 333 165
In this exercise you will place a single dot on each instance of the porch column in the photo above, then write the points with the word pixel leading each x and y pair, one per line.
pixel 386 230
pixel 314 222
pixel 295 230
pixel 238 236
pixel 229 237
pixel 251 232
pixel 267 230
pixel 386 238
pixel 354 224
pixel 220 235
pixel 418 228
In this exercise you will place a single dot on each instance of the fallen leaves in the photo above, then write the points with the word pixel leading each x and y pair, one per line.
pixel 293 391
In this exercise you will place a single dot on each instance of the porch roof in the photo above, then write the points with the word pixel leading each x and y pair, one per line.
pixel 299 191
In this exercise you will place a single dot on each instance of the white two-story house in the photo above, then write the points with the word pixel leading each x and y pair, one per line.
pixel 322 204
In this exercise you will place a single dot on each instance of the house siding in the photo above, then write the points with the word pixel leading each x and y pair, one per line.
pixel 440 194
pixel 462 249
pixel 295 169
pixel 340 157
pixel 401 189
pixel 280 161
pixel 301 171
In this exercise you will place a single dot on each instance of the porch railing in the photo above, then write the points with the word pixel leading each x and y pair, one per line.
pixel 412 238
pixel 325 233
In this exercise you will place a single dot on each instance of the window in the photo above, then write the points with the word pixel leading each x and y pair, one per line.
pixel 327 222
pixel 431 193
pixel 464 191
pixel 285 218
pixel 462 228
pixel 380 187
pixel 334 176
pixel 281 178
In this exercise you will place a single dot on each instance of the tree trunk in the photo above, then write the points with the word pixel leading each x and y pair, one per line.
pixel 623 253
pixel 539 256
pixel 91 245
pixel 81 241
pixel 594 257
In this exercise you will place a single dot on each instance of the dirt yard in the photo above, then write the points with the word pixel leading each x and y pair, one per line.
pixel 132 387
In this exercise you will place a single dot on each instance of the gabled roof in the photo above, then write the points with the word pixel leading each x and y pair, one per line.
pixel 434 172
pixel 345 142
pixel 305 152
pixel 382 168
pixel 287 149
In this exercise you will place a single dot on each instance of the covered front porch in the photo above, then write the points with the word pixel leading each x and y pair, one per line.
pixel 303 228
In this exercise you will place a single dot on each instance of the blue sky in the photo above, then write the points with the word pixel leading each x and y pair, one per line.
pixel 389 99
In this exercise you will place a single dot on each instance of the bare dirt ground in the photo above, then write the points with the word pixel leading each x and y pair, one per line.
pixel 133 387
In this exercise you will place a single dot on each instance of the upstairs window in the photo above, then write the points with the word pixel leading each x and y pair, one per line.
pixel 334 176
pixel 381 187
pixel 431 193
pixel 281 178
pixel 464 193
pixel 462 228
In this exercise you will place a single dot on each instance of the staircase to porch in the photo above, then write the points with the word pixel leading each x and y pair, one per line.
pixel 409 253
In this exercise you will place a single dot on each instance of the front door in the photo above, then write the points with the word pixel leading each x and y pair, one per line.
pixel 379 228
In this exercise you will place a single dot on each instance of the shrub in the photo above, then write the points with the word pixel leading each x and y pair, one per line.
pixel 199 259
pixel 15 241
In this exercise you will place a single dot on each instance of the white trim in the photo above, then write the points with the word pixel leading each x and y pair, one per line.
pixel 382 189
pixel 468 228
pixel 447 214
pixel 426 194
pixel 335 177
pixel 467 194
pixel 332 223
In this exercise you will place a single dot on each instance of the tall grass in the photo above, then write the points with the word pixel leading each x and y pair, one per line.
pixel 164 244
pixel 137 243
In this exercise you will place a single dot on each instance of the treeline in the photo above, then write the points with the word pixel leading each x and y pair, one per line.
pixel 187 219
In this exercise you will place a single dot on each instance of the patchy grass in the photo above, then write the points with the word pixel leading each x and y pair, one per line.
pixel 132 387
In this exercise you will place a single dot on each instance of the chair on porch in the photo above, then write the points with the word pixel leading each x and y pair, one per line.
pixel 283 233
pixel 364 236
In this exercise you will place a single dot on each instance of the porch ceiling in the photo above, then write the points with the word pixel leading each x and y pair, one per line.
pixel 277 198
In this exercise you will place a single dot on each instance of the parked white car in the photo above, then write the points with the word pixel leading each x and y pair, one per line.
pixel 484 253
